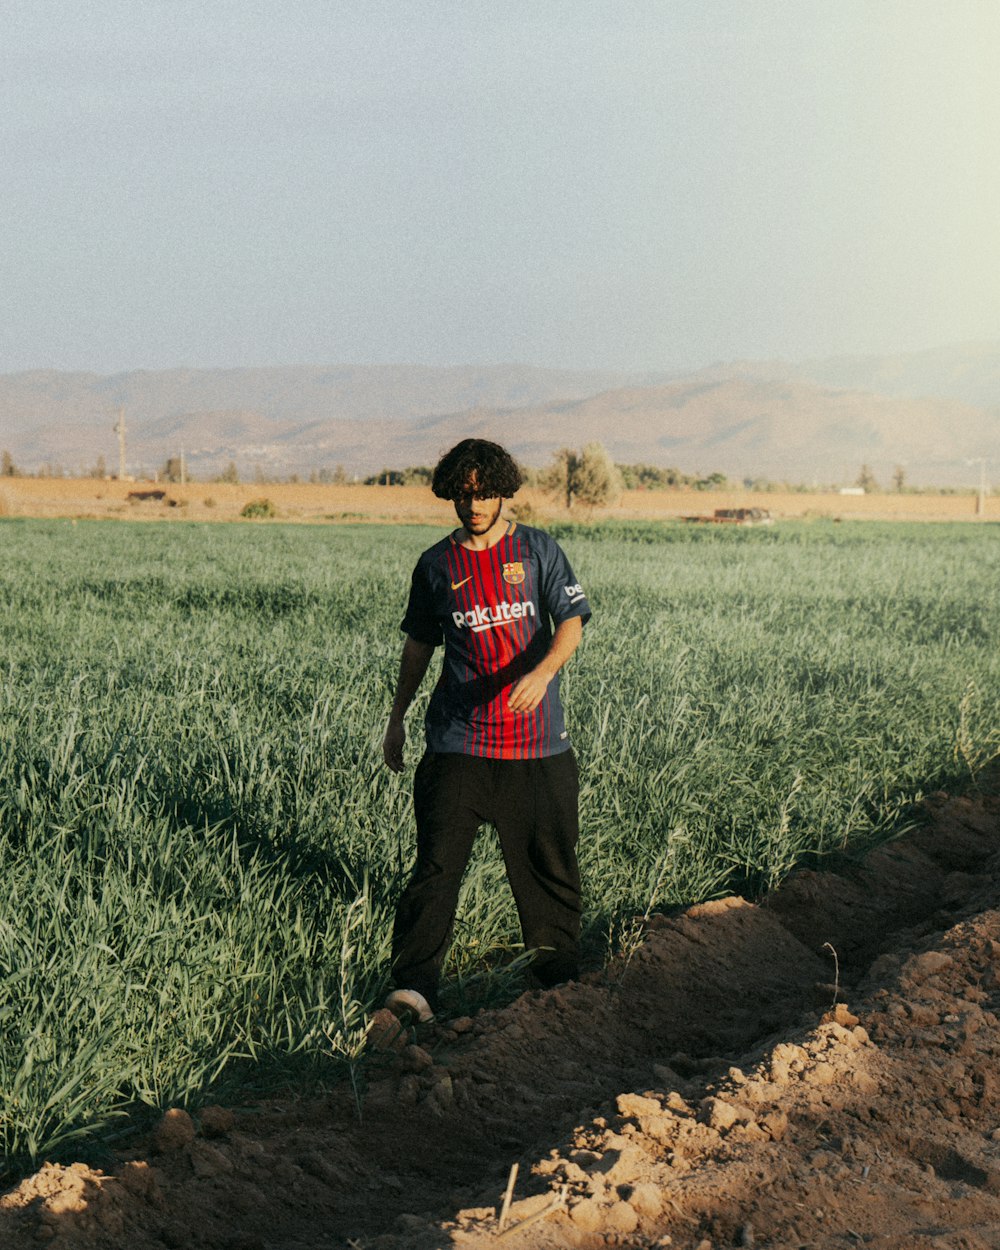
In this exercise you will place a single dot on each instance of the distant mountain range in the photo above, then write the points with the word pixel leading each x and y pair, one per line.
pixel 932 413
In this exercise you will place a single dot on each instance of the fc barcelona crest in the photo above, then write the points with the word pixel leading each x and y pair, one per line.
pixel 513 573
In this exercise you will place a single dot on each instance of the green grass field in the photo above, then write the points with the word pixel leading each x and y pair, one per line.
pixel 201 849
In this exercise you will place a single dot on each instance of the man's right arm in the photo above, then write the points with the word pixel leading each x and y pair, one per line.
pixel 416 657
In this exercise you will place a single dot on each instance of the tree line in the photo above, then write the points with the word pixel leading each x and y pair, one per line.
pixel 586 476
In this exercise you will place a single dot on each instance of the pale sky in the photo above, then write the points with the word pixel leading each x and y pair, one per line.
pixel 625 184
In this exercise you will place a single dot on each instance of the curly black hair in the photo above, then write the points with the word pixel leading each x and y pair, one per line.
pixel 495 472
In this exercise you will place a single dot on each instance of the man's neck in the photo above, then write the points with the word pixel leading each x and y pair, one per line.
pixel 481 542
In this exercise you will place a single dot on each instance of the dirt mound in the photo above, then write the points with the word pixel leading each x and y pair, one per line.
pixel 818 1071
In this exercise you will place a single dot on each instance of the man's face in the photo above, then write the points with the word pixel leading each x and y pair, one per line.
pixel 477 514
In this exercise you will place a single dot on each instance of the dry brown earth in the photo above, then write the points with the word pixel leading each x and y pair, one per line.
pixel 706 1092
pixel 219 501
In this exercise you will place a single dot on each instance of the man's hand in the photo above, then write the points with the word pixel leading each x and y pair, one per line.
pixel 412 666
pixel 392 745
pixel 528 691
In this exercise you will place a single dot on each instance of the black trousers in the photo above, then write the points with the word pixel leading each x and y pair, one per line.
pixel 533 805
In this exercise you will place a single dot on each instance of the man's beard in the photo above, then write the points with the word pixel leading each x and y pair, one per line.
pixel 483 526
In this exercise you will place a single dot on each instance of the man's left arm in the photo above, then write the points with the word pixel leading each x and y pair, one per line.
pixel 528 691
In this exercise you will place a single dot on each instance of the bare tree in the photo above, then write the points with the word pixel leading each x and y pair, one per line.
pixel 866 480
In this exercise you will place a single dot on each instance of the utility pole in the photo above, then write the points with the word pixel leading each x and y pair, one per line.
pixel 981 494
pixel 120 431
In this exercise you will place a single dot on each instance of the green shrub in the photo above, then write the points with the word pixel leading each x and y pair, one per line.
pixel 259 510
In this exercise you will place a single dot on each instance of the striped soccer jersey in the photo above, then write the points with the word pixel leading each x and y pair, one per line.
pixel 492 610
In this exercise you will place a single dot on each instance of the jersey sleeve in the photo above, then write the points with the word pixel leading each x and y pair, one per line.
pixel 562 595
pixel 420 622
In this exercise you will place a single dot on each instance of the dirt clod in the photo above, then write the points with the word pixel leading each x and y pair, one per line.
pixel 216 1121
pixel 174 1131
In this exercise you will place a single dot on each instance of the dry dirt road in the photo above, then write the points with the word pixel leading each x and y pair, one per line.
pixel 707 1093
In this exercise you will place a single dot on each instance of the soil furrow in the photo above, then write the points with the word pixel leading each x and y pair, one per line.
pixel 709 1089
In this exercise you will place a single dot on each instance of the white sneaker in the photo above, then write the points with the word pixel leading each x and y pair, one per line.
pixel 410 1003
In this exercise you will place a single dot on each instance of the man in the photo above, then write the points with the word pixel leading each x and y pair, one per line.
pixel 497 748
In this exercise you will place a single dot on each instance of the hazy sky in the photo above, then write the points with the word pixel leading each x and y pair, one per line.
pixel 617 183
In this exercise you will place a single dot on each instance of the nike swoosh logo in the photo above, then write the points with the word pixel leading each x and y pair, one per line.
pixel 455 585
